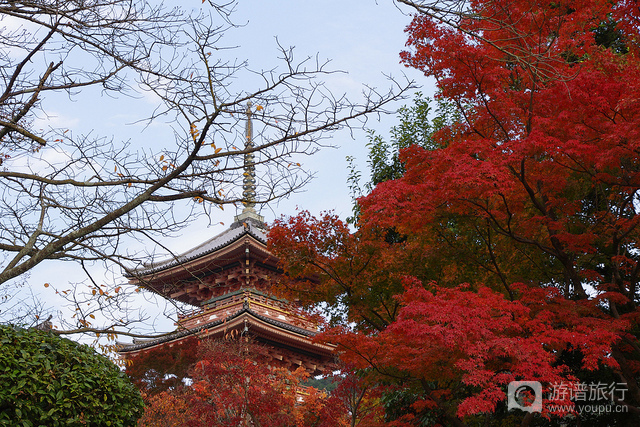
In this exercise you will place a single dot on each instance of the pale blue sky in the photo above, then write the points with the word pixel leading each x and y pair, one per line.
pixel 363 38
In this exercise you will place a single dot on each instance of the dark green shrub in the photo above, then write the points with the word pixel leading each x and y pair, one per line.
pixel 50 381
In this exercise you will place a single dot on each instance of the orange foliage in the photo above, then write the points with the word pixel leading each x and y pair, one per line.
pixel 232 384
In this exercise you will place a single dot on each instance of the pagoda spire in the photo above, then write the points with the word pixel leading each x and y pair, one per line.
pixel 249 180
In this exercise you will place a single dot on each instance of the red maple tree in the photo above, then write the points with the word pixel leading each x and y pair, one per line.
pixel 445 339
pixel 232 383
pixel 531 198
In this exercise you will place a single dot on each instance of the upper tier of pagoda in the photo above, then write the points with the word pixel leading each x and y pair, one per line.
pixel 234 259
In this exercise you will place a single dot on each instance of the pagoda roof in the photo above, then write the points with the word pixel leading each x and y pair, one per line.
pixel 233 321
pixel 237 231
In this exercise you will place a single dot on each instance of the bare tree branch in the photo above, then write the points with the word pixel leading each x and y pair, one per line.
pixel 78 197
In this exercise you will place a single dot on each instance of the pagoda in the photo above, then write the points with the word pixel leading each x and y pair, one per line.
pixel 229 280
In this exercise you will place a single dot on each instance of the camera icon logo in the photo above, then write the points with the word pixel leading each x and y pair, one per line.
pixel 524 395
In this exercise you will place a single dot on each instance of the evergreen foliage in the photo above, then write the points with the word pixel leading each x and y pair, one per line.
pixel 50 381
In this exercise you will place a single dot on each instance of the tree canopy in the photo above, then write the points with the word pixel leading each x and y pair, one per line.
pixel 517 222
pixel 231 382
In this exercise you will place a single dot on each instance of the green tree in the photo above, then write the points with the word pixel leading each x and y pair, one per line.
pixel 50 381
pixel 418 122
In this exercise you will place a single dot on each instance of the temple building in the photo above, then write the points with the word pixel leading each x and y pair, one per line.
pixel 228 280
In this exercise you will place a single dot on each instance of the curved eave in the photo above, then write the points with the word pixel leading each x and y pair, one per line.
pixel 193 255
pixel 208 262
pixel 278 331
